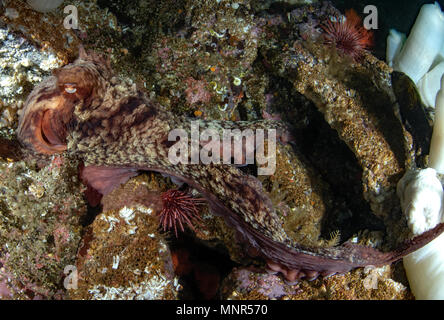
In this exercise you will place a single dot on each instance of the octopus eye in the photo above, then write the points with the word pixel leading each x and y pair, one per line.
pixel 70 88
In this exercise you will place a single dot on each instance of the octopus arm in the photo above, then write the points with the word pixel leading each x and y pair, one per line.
pixel 264 233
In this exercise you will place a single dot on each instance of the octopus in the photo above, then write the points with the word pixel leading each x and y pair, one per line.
pixel 117 131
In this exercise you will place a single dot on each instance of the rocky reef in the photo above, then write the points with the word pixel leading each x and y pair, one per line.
pixel 122 255
pixel 42 211
pixel 335 179
pixel 366 284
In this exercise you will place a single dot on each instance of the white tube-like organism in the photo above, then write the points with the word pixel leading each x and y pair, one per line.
pixel 425 270
pixel 436 156
pixel 423 43
pixel 430 84
pixel 395 41
pixel 421 195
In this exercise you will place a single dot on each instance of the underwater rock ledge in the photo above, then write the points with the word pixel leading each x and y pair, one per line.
pixel 221 64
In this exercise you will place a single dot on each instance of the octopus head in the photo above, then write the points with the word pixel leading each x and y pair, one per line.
pixel 47 112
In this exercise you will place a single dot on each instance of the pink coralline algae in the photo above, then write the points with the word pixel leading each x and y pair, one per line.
pixel 248 281
pixel 196 91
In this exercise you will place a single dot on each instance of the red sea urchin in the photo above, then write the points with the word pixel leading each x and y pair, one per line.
pixel 348 35
pixel 179 207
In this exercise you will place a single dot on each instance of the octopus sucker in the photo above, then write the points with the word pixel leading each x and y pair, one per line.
pixel 117 131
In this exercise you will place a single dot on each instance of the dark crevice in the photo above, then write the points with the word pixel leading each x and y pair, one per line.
pixel 203 265
pixel 324 151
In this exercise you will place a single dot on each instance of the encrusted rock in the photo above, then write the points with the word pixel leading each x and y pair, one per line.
pixel 40 215
pixel 357 101
pixel 362 284
pixel 300 195
pixel 123 255
pixel 22 66
pixel 50 32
